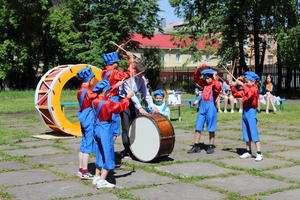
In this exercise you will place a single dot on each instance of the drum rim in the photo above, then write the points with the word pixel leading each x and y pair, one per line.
pixel 157 128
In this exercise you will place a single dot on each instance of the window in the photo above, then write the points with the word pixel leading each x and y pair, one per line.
pixel 270 43
pixel 270 60
pixel 178 57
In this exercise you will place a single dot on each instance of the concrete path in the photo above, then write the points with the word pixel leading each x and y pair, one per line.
pixel 33 169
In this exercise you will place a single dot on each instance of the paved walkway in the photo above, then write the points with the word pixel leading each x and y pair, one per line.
pixel 33 169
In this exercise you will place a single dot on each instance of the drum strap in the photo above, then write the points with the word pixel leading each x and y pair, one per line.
pixel 98 108
pixel 106 75
pixel 82 97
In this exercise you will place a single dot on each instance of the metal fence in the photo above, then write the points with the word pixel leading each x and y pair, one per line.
pixel 182 78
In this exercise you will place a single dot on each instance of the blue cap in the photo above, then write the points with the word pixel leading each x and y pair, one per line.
pixel 102 86
pixel 207 71
pixel 85 74
pixel 159 92
pixel 252 76
pixel 111 58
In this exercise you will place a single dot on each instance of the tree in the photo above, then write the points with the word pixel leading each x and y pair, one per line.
pixel 233 21
pixel 42 34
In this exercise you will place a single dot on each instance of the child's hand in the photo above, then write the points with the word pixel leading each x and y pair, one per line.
pixel 239 82
pixel 155 109
pixel 130 94
pixel 119 83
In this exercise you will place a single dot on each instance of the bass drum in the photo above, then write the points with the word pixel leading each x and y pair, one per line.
pixel 151 137
pixel 47 97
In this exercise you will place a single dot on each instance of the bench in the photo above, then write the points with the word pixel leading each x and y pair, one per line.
pixel 62 105
pixel 190 101
pixel 281 103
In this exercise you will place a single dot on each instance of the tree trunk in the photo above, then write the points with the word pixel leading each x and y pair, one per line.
pixel 279 68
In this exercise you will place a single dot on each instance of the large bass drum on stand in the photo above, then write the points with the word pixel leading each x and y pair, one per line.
pixel 47 97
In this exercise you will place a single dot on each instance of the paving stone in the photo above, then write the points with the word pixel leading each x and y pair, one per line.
pixel 288 172
pixel 45 191
pixel 229 133
pixel 286 195
pixel 71 140
pixel 34 151
pixel 195 169
pixel 180 146
pixel 177 191
pixel 251 163
pixel 98 196
pixel 26 176
pixel 35 143
pixel 233 125
pixel 73 146
pixel 133 178
pixel 278 132
pixel 55 159
pixel 289 143
pixel 69 169
pixel 5 147
pixel 246 184
pixel 181 134
pixel 270 138
pixel 294 154
pixel 202 155
pixel 264 147
pixel 12 165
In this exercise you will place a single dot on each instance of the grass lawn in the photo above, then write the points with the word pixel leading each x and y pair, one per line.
pixel 20 105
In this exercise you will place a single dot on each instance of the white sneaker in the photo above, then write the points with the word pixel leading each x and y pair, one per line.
pixel 87 176
pixel 245 155
pixel 259 157
pixel 240 110
pixel 267 112
pixel 95 180
pixel 274 110
pixel 104 184
pixel 232 111
pixel 220 111
pixel 225 111
pixel 79 174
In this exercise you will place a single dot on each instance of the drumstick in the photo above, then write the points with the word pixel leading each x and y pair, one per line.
pixel 229 72
pixel 122 48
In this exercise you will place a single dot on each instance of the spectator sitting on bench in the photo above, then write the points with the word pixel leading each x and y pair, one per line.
pixel 226 94
pixel 269 90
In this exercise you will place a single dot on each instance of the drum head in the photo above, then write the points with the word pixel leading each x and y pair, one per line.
pixel 144 138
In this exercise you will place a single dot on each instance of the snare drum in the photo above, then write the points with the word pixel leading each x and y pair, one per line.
pixel 151 137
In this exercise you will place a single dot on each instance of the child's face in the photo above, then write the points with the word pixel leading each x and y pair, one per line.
pixel 249 82
pixel 208 80
pixel 91 82
pixel 159 98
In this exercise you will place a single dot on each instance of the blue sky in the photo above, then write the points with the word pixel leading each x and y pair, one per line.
pixel 168 12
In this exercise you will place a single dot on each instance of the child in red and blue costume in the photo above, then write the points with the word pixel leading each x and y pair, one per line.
pixel 86 118
pixel 249 94
pixel 207 110
pixel 103 131
pixel 113 75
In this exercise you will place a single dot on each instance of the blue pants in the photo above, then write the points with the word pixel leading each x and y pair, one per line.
pixel 249 125
pixel 105 154
pixel 207 114
pixel 87 129
pixel 116 118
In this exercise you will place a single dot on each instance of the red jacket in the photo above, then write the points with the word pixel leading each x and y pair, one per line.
pixel 249 94
pixel 214 86
pixel 117 75
pixel 109 107
pixel 88 98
